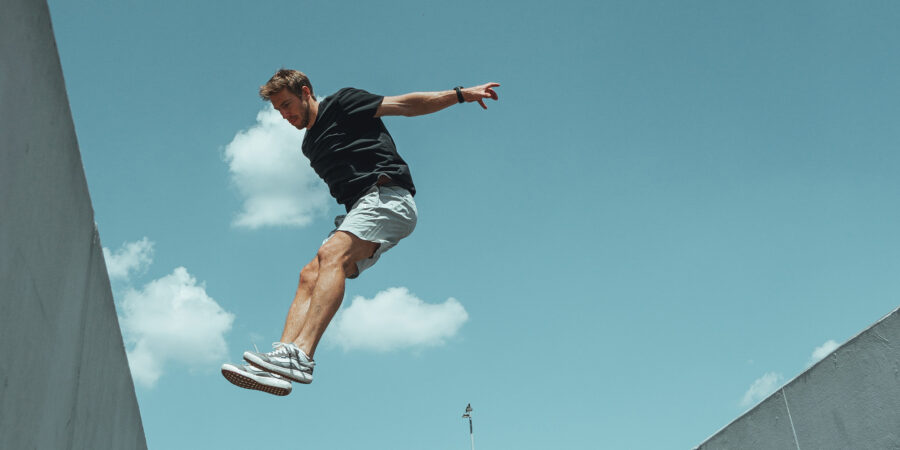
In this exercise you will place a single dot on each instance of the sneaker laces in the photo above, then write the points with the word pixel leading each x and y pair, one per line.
pixel 291 351
pixel 281 349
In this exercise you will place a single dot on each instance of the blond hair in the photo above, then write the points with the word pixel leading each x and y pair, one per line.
pixel 294 80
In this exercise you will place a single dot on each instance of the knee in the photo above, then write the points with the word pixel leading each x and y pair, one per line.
pixel 309 274
pixel 332 258
pixel 329 257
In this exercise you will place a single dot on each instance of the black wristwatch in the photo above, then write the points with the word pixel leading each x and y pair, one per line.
pixel 459 94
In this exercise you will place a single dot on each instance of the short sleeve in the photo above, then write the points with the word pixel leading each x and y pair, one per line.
pixel 357 103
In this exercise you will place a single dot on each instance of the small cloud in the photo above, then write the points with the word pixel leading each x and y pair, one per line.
pixel 172 319
pixel 763 387
pixel 822 351
pixel 396 319
pixel 130 258
pixel 274 179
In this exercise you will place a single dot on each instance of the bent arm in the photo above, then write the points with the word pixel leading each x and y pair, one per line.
pixel 421 103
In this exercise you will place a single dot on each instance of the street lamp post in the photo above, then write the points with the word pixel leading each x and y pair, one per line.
pixel 468 415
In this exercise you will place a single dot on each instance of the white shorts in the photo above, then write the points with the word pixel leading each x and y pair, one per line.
pixel 384 215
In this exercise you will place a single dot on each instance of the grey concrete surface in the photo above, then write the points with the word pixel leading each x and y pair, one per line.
pixel 849 400
pixel 64 377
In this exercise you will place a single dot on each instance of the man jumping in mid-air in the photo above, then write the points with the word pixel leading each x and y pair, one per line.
pixel 349 147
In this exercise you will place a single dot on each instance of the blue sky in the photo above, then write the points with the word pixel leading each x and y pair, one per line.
pixel 674 208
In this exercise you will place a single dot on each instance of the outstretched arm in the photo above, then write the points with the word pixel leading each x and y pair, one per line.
pixel 421 103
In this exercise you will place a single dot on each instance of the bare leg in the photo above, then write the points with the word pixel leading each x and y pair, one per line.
pixel 336 260
pixel 300 305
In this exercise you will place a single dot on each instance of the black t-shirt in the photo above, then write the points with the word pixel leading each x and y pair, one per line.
pixel 350 148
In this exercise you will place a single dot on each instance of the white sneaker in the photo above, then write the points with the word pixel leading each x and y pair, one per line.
pixel 286 360
pixel 249 377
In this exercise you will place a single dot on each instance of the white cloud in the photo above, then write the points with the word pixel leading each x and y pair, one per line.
pixel 396 319
pixel 130 258
pixel 762 388
pixel 822 351
pixel 771 381
pixel 172 319
pixel 274 179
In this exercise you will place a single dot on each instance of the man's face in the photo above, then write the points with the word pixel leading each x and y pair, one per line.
pixel 292 108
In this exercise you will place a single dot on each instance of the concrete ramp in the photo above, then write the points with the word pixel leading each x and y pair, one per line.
pixel 64 378
pixel 849 400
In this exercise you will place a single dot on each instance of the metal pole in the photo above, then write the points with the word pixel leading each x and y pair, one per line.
pixel 471 434
pixel 468 415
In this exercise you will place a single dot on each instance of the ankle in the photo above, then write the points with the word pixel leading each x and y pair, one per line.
pixel 305 351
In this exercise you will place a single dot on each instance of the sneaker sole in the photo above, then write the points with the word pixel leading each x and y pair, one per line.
pixel 249 383
pixel 260 364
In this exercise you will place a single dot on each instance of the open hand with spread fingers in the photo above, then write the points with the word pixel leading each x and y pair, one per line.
pixel 479 93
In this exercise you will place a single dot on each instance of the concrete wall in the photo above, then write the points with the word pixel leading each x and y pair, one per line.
pixel 849 400
pixel 64 378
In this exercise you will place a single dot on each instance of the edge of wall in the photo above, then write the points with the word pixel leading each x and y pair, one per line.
pixel 64 376
pixel 849 399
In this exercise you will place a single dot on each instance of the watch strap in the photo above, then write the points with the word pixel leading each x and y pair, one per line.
pixel 459 96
